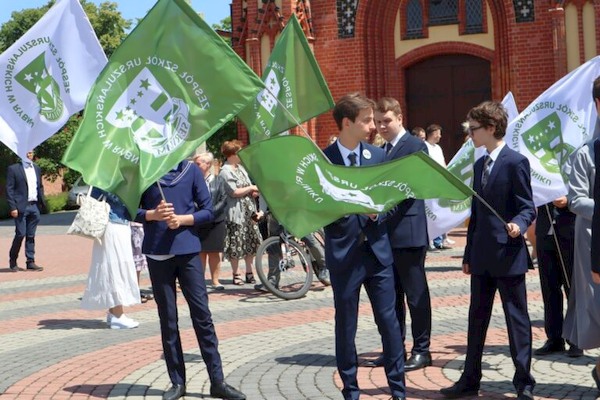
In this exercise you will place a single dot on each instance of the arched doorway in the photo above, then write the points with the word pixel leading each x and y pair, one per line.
pixel 441 90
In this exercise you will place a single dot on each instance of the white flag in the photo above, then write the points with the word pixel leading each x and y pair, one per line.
pixel 444 215
pixel 47 75
pixel 553 126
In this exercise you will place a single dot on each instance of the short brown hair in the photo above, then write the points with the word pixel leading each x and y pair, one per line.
pixel 350 106
pixel 231 147
pixel 488 114
pixel 416 130
pixel 432 128
pixel 386 104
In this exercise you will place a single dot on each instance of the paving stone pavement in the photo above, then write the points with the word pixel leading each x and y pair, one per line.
pixel 272 349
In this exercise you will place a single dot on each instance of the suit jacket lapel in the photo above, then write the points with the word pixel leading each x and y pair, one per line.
pixel 396 149
pixel 496 167
pixel 364 160
pixel 336 155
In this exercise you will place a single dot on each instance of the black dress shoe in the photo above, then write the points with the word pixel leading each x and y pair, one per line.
pixel 225 391
pixel 574 351
pixel 525 395
pixel 550 347
pixel 31 266
pixel 376 363
pixel 418 361
pixel 174 393
pixel 459 390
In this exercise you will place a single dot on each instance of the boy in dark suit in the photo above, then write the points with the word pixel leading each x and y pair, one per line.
pixel 407 230
pixel 496 255
pixel 357 253
pixel 25 197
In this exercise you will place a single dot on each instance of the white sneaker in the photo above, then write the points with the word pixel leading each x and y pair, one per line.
pixel 449 241
pixel 124 322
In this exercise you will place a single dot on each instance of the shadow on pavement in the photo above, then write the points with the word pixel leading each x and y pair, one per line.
pixel 311 360
pixel 104 391
pixel 66 324
pixel 442 269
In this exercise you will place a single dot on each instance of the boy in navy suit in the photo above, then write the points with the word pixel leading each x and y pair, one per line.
pixel 496 255
pixel 357 253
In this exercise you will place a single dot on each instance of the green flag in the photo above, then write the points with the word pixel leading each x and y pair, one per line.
pixel 292 78
pixel 305 191
pixel 170 85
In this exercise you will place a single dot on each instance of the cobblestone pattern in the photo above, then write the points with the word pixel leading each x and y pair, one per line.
pixel 272 349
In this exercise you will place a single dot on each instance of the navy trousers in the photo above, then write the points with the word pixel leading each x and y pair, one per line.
pixel 379 284
pixel 188 270
pixel 513 294
pixel 25 226
pixel 411 282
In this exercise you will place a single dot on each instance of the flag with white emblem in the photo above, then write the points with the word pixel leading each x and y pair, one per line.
pixel 47 74
pixel 154 103
pixel 295 88
pixel 552 127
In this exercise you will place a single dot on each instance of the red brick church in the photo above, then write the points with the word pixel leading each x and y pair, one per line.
pixel 437 57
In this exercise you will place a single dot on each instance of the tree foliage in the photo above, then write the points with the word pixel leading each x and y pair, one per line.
pixel 110 28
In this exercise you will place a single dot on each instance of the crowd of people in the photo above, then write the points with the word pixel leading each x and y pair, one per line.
pixel 202 212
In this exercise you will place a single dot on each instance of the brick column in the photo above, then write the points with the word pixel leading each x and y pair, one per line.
pixel 559 41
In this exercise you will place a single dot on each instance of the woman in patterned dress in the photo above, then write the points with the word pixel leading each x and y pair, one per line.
pixel 243 237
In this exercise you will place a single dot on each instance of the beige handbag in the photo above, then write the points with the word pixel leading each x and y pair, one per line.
pixel 92 217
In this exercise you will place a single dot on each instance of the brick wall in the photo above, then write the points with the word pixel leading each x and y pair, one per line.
pixel 526 59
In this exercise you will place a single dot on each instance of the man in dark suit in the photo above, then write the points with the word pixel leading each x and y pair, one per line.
pixel 357 253
pixel 496 256
pixel 25 196
pixel 555 224
pixel 407 230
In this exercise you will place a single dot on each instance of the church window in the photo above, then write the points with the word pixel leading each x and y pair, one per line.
pixel 414 19
pixel 474 16
pixel 443 12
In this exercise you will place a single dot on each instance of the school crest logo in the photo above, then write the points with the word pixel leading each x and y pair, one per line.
pixel 157 122
pixel 545 141
pixel 36 79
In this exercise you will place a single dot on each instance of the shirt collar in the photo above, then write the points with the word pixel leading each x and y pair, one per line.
pixel 496 152
pixel 345 152
pixel 395 140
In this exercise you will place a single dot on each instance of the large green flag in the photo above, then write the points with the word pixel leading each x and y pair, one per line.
pixel 294 84
pixel 305 191
pixel 171 84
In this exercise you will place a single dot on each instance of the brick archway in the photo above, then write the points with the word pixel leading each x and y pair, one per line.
pixel 385 75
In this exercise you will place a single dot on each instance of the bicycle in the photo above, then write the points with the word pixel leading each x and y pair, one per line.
pixel 285 266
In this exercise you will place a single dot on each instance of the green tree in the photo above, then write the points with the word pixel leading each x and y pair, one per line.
pixel 110 28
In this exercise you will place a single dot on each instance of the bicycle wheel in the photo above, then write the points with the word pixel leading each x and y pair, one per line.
pixel 283 268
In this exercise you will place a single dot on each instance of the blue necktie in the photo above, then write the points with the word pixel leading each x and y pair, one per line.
pixel 487 167
pixel 352 157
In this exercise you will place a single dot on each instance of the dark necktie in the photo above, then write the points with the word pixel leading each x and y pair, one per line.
pixel 388 148
pixel 352 158
pixel 487 167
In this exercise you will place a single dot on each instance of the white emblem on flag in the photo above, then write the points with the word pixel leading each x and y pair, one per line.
pixel 158 122
pixel 268 97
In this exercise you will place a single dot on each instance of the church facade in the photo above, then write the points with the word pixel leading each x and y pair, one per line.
pixel 437 57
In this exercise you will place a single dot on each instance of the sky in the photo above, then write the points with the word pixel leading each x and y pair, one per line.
pixel 214 10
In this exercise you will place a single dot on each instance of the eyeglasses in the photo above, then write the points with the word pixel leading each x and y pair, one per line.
pixel 474 128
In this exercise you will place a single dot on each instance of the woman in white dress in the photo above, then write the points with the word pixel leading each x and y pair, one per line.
pixel 112 282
